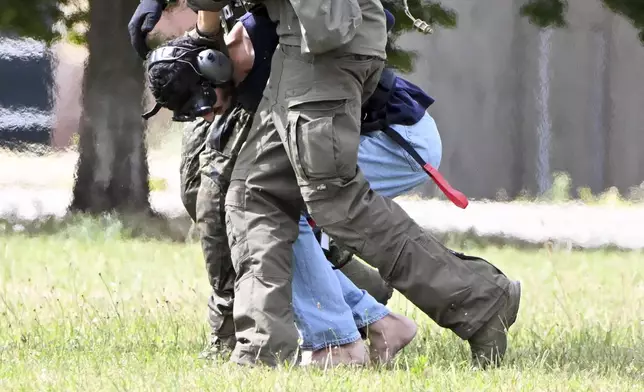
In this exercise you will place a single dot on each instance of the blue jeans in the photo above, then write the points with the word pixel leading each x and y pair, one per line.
pixel 329 309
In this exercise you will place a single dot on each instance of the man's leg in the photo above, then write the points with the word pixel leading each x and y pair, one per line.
pixel 217 161
pixel 329 310
pixel 329 335
pixel 199 195
pixel 265 166
pixel 318 118
pixel 214 244
pixel 387 335
pixel 261 232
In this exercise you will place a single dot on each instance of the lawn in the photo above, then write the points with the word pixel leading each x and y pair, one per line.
pixel 91 310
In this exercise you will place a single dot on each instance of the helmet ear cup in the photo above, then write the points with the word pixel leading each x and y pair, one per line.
pixel 213 69
pixel 215 66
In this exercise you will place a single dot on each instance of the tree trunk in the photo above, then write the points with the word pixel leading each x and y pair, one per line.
pixel 112 169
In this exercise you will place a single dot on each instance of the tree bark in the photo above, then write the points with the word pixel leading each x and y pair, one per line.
pixel 112 170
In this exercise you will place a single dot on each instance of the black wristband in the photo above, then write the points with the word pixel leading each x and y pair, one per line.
pixel 202 34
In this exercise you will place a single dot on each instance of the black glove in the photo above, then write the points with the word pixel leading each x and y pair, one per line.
pixel 146 16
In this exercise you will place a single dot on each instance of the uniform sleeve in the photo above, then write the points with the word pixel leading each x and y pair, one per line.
pixel 207 5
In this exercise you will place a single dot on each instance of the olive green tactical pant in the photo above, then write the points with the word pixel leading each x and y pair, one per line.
pixel 205 171
pixel 361 275
pixel 302 151
pixel 202 193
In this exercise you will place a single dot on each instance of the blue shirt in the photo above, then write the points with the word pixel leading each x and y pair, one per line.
pixel 406 106
pixel 263 36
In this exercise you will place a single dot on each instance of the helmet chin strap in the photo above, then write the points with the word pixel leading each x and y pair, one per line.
pixel 153 111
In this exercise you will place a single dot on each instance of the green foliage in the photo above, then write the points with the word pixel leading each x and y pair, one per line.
pixel 36 19
pixel 430 11
pixel 611 197
pixel 401 60
pixel 158 184
pixel 560 191
pixel 77 38
pixel 552 13
pixel 542 13
pixel 72 21
pixel 632 10
pixel 545 13
pixel 31 18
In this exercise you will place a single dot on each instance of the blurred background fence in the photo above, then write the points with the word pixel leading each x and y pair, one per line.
pixel 26 93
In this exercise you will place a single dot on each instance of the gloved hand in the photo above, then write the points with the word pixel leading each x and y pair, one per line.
pixel 215 42
pixel 201 39
pixel 146 16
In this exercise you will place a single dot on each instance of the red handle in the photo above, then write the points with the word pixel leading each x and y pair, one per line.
pixel 455 196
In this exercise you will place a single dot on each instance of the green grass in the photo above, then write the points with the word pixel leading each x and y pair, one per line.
pixel 92 310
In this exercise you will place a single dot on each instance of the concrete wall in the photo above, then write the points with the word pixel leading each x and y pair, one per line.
pixel 490 77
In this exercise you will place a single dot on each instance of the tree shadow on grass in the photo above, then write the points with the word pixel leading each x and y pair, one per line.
pixel 474 239
pixel 143 226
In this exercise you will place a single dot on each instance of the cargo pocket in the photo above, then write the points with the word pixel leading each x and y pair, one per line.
pixel 311 147
pixel 312 140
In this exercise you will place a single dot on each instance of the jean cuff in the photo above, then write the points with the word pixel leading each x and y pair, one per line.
pixel 353 337
pixel 362 321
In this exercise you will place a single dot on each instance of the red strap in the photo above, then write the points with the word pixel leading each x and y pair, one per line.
pixel 457 197
pixel 452 194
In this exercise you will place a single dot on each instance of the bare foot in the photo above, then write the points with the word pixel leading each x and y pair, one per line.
pixel 349 354
pixel 390 335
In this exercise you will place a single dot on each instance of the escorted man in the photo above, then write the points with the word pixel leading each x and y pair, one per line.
pixel 302 152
